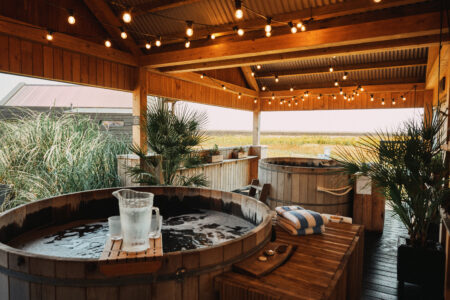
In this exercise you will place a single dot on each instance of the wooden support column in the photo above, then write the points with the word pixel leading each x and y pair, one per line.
pixel 256 127
pixel 139 109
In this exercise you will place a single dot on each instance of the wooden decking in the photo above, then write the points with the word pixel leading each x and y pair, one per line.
pixel 380 264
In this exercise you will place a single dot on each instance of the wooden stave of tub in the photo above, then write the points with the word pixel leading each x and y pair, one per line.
pixel 284 191
pixel 25 275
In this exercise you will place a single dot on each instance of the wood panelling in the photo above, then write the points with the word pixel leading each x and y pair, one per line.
pixel 29 58
pixel 165 86
pixel 231 75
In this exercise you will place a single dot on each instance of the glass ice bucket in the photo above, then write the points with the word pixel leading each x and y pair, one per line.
pixel 136 209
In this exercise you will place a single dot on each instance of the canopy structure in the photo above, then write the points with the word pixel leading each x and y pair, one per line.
pixel 279 56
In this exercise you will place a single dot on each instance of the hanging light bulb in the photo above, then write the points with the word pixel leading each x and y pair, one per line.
pixel 263 88
pixel 299 25
pixel 403 98
pixel 238 12
pixel 108 43
pixel 361 89
pixel 331 69
pixel 289 103
pixel 239 95
pixel 224 87
pixel 341 91
pixel 270 102
pixel 377 1
pixel 296 102
pixel 303 99
pixel 126 16
pixel 268 27
pixel 303 28
pixel 393 101
pixel 306 94
pixel 345 96
pixel 382 101
pixel 123 34
pixel 189 28
pixel 255 100
pixel 213 36
pixel 268 34
pixel 203 75
pixel 148 45
pixel 336 83
pixel 276 78
pixel 71 19
pixel 187 43
pixel 345 76
pixel 158 42
pixel 320 96
pixel 293 97
pixel 253 74
pixel 49 35
pixel 273 96
pixel 238 30
pixel 293 28
pixel 291 89
pixel 258 67
pixel 371 98
pixel 334 97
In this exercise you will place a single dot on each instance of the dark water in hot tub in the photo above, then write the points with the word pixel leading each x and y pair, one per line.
pixel 197 229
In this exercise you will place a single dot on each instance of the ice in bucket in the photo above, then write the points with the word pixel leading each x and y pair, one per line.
pixel 135 217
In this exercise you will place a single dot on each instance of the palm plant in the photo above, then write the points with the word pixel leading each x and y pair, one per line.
pixel 172 136
pixel 408 166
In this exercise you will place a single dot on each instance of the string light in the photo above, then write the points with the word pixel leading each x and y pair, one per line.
pixel 239 31
pixel 71 19
pixel 108 43
pixel 336 83
pixel 238 12
pixel 393 101
pixel 187 44
pixel 320 96
pixel 281 101
pixel 239 95
pixel 303 99
pixel 276 78
pixel 345 76
pixel 255 100
pixel 126 17
pixel 158 42
pixel 334 97
pixel 224 87
pixel 202 76
pixel 341 91
pixel 299 25
pixel 268 27
pixel 306 94
pixel 291 89
pixel 148 45
pixel 377 1
pixel 289 103
pixel 189 28
pixel 273 96
pixel 371 98
pixel 293 28
pixel 258 67
pixel 303 28
pixel 213 36
pixel 263 88
pixel 345 96
pixel 296 102
pixel 49 35
pixel 253 74
pixel 123 34
pixel 331 69
pixel 268 34
pixel 382 101
pixel 403 98
pixel 270 102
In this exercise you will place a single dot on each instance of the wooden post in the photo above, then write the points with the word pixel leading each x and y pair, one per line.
pixel 139 108
pixel 256 127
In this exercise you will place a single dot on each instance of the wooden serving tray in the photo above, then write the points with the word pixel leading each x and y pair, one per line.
pixel 254 267
pixel 115 262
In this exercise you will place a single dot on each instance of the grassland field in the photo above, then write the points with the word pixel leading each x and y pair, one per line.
pixel 285 145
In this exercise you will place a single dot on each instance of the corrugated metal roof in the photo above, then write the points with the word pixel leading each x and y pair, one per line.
pixel 32 95
pixel 211 12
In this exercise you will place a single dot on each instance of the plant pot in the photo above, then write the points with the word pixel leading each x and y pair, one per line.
pixel 5 190
pixel 215 158
pixel 423 266
pixel 238 155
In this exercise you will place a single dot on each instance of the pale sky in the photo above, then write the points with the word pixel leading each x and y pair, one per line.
pixel 298 121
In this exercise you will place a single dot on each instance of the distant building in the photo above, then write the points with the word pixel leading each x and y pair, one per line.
pixel 110 108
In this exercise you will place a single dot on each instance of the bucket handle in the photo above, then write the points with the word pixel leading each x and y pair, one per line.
pixel 346 190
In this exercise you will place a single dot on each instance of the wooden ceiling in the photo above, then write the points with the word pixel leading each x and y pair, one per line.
pixel 376 43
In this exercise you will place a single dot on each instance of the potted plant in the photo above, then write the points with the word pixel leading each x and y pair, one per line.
pixel 239 153
pixel 214 155
pixel 408 167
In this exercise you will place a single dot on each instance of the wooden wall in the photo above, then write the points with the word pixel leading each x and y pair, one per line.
pixel 231 75
pixel 165 86
pixel 413 99
pixel 30 58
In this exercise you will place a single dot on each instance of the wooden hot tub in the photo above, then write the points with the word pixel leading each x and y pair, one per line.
pixel 295 181
pixel 184 274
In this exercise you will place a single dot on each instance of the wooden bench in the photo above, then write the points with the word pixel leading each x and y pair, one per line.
pixel 325 266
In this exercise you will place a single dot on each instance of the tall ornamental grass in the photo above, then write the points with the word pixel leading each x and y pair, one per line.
pixel 45 154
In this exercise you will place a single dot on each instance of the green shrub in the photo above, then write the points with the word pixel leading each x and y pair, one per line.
pixel 45 154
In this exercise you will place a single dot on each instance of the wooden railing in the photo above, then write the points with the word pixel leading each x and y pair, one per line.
pixel 227 175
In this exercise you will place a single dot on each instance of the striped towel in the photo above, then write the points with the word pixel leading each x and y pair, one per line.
pixel 286 225
pixel 338 219
pixel 301 218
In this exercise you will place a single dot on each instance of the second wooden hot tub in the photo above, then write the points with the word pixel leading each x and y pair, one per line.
pixel 315 184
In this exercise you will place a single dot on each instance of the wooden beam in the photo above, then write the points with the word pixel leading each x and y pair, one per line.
pixel 139 109
pixel 30 32
pixel 111 23
pixel 384 88
pixel 316 85
pixel 214 83
pixel 317 13
pixel 159 5
pixel 247 71
pixel 340 68
pixel 371 47
pixel 356 31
